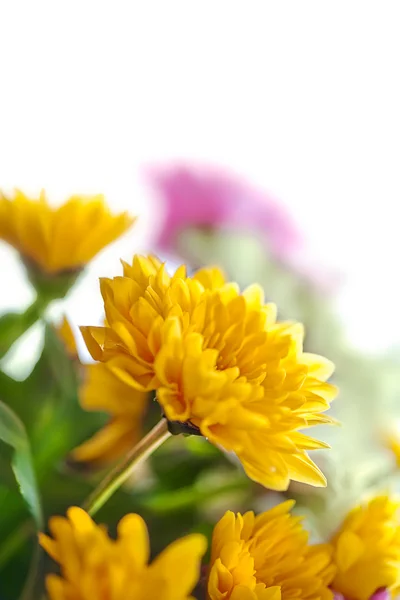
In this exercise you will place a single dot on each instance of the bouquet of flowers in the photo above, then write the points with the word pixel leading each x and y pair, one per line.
pixel 177 461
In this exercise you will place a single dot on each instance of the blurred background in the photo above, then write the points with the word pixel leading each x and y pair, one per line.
pixel 300 98
pixel 284 115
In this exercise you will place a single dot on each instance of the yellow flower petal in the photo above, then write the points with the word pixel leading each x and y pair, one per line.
pixel 95 567
pixel 66 334
pixel 267 557
pixel 349 549
pixel 367 550
pixel 187 551
pixel 59 239
pixel 219 360
pixel 102 390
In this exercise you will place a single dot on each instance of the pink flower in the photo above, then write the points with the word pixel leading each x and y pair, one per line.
pixel 382 594
pixel 204 197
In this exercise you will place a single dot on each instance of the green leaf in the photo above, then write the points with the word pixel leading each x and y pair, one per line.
pixel 60 365
pixel 10 389
pixel 59 423
pixel 13 433
pixel 13 325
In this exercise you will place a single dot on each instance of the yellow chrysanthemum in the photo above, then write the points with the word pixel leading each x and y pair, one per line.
pixel 95 567
pixel 103 391
pixel 219 361
pixel 267 557
pixel 63 238
pixel 367 550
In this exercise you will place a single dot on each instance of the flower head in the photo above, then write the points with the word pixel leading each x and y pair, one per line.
pixel 367 550
pixel 267 557
pixel 391 439
pixel 210 198
pixel 66 335
pixel 103 391
pixel 205 200
pixel 219 361
pixel 96 567
pixel 59 239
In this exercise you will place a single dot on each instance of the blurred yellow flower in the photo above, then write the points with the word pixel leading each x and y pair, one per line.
pixel 367 550
pixel 65 333
pixel 103 391
pixel 267 557
pixel 63 238
pixel 219 361
pixel 95 567
pixel 391 440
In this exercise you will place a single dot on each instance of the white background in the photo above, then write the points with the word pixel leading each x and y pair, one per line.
pixel 302 97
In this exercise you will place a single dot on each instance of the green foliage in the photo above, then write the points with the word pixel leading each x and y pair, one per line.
pixel 13 325
pixel 12 432
pixel 44 406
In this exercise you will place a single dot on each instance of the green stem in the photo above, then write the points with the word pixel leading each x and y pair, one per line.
pixel 381 479
pixel 188 497
pixel 117 476
pixel 14 541
pixel 33 586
